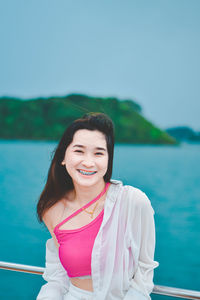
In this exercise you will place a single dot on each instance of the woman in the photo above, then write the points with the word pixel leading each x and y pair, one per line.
pixel 103 233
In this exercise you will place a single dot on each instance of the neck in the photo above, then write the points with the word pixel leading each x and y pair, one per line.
pixel 85 194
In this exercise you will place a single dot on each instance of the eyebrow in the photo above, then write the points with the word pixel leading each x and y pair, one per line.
pixel 98 148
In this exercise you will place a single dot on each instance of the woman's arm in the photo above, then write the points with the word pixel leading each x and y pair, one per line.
pixel 55 275
pixel 142 281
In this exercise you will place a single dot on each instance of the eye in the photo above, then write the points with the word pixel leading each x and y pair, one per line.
pixel 79 151
pixel 99 153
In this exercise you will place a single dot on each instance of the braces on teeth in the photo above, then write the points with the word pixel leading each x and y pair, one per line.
pixel 86 173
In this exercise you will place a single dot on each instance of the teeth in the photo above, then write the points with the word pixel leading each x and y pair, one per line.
pixel 86 173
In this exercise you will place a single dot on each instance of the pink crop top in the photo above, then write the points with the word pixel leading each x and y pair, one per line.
pixel 76 245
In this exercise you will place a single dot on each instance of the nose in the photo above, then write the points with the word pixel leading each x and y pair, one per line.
pixel 88 162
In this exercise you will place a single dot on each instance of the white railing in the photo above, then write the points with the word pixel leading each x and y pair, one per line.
pixel 158 289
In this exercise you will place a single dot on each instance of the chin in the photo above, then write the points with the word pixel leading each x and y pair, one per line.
pixel 88 181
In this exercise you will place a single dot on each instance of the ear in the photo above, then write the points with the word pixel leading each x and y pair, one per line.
pixel 63 163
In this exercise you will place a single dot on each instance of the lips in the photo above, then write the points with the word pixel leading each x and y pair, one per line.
pixel 86 172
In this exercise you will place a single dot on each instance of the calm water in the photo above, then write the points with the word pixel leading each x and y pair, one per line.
pixel 168 175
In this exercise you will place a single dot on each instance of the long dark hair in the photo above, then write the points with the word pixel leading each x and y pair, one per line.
pixel 58 180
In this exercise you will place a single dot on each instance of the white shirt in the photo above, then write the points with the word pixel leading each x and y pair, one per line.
pixel 122 263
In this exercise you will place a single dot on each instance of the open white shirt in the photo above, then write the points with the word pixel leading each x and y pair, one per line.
pixel 122 262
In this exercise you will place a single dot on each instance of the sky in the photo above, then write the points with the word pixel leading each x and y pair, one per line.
pixel 147 51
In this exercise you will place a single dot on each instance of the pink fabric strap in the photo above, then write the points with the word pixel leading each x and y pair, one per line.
pixel 83 207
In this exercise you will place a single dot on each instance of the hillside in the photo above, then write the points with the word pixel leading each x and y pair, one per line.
pixel 46 119
pixel 184 133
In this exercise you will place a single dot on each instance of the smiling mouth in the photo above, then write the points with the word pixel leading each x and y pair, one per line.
pixel 88 173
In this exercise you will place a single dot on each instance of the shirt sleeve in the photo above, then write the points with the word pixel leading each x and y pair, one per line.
pixel 142 282
pixel 55 275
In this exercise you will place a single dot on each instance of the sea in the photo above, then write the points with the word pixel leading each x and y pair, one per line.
pixel 170 177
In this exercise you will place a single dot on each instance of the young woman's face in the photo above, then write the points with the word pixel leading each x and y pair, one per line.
pixel 86 158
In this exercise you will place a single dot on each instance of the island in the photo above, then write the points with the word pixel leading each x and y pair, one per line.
pixel 184 134
pixel 46 118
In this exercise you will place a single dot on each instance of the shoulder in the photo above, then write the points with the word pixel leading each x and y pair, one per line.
pixel 137 193
pixel 52 215
pixel 138 202
pixel 135 197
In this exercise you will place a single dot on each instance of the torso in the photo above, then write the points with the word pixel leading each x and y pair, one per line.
pixel 85 284
pixel 63 209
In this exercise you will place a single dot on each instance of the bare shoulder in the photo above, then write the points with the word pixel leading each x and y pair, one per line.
pixel 53 215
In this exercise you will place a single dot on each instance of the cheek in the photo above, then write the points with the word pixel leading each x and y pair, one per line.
pixel 71 161
pixel 104 163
